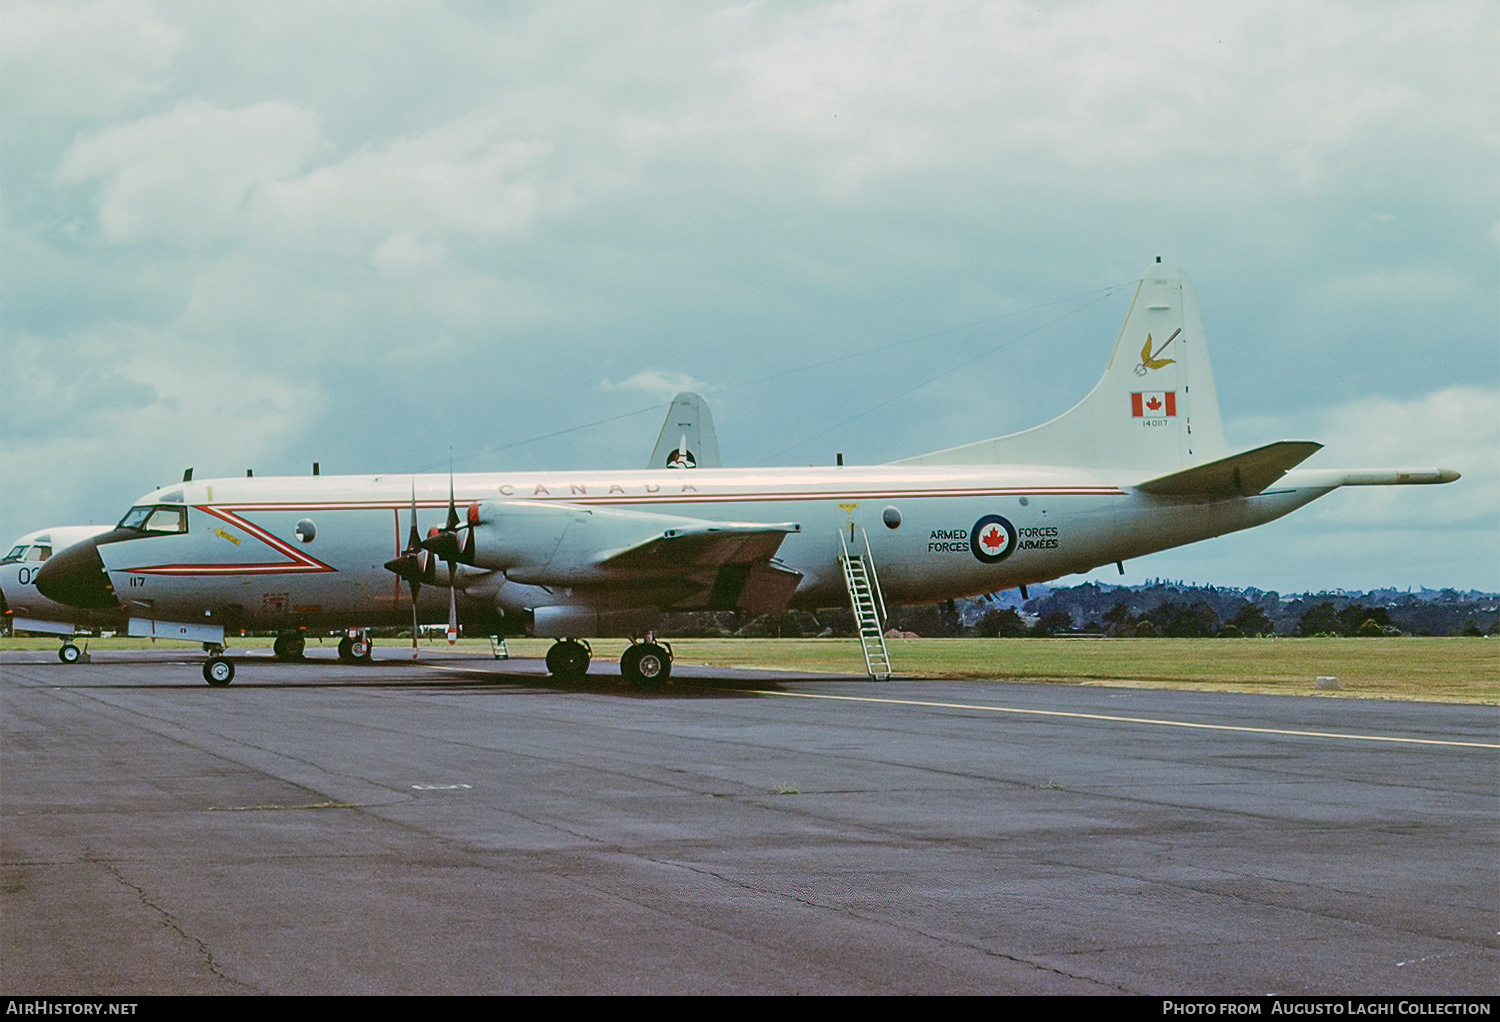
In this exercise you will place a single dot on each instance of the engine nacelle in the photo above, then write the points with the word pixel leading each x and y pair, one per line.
pixel 572 622
pixel 520 535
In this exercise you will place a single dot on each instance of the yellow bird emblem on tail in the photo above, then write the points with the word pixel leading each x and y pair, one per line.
pixel 1149 359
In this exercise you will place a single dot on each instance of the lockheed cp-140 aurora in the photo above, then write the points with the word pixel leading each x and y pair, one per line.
pixel 1138 466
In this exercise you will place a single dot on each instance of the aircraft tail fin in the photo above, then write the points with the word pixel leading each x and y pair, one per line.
pixel 1155 408
pixel 688 438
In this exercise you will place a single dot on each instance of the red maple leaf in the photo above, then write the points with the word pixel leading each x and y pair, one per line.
pixel 992 538
pixel 1154 403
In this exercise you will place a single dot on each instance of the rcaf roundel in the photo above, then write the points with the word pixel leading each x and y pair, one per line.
pixel 992 539
pixel 1160 404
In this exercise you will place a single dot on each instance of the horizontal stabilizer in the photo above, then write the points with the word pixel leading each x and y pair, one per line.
pixel 1239 475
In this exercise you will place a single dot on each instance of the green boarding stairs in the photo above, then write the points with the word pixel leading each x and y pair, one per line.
pixel 866 600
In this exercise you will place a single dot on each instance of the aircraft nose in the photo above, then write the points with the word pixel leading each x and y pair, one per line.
pixel 76 577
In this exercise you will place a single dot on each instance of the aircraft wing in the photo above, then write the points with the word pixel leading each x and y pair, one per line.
pixel 1239 475
pixel 696 547
pixel 719 565
pixel 660 560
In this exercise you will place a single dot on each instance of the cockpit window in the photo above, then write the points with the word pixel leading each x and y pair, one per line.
pixel 16 553
pixel 135 518
pixel 167 519
pixel 155 518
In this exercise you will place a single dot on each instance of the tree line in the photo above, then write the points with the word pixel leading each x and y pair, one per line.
pixel 1159 609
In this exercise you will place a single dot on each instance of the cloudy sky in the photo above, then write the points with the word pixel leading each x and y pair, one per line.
pixel 259 235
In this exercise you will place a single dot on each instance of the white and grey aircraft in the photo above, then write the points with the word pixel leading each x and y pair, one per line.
pixel 1139 465
pixel 27 610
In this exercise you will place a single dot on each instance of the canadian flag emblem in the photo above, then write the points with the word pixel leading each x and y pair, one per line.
pixel 1158 404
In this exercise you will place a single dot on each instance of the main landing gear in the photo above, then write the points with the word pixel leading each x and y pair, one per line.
pixel 647 665
pixel 69 653
pixel 289 646
pixel 355 648
pixel 568 659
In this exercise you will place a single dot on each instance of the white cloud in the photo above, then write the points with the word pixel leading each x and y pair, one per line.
pixel 185 176
pixel 1175 97
pixel 466 179
pixel 402 254
pixel 87 61
pixel 1406 286
pixel 1457 428
pixel 657 383
pixel 90 432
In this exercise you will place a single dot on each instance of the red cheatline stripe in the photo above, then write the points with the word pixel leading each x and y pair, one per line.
pixel 300 563
pixel 693 497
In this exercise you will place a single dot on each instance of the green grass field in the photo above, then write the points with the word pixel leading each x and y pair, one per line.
pixel 1440 670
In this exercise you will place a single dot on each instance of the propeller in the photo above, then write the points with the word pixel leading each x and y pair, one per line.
pixel 445 543
pixel 412 564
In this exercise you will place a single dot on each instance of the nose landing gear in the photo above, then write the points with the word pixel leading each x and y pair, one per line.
pixel 218 671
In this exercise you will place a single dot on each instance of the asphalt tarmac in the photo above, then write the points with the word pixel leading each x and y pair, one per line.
pixel 462 825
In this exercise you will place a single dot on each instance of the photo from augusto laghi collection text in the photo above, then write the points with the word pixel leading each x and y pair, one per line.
pixel 1324 1006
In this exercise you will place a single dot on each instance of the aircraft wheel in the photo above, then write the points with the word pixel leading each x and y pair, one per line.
pixel 353 651
pixel 217 671
pixel 568 660
pixel 69 653
pixel 289 647
pixel 646 665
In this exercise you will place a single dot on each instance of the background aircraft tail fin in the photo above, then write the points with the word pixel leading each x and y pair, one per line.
pixel 1155 408
pixel 688 439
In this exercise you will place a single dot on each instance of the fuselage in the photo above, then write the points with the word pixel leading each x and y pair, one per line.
pixel 310 551
pixel 25 608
